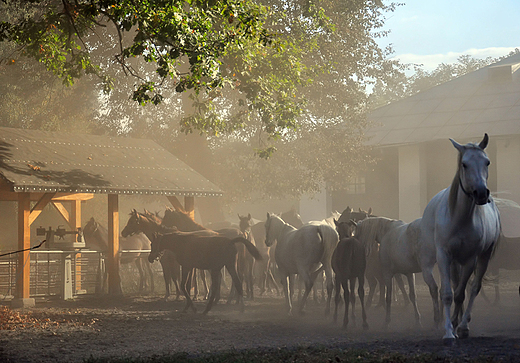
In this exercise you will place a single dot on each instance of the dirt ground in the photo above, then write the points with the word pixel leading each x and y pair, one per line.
pixel 143 326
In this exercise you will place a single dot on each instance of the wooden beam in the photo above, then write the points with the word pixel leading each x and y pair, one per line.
pixel 38 208
pixel 13 196
pixel 114 281
pixel 175 202
pixel 24 242
pixel 63 211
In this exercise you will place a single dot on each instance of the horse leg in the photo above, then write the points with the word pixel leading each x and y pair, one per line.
pixel 400 284
pixel 167 276
pixel 346 298
pixel 184 287
pixel 330 286
pixel 215 284
pixel 352 301
pixel 444 263
pixel 202 274
pixel 137 263
pixel 427 273
pixel 459 289
pixel 250 278
pixel 372 284
pixel 381 283
pixel 413 298
pixel 148 267
pixel 361 293
pixel 481 267
pixel 287 287
pixel 308 281
pixel 337 297
pixel 272 280
pixel 388 284
pixel 238 285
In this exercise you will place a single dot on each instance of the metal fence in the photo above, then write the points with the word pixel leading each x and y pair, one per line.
pixel 50 275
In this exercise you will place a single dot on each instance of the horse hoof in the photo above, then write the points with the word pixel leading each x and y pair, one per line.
pixel 463 333
pixel 449 342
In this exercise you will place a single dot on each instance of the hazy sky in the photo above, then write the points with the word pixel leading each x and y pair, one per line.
pixel 433 32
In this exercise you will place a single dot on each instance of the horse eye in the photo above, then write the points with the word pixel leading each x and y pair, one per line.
pixel 464 165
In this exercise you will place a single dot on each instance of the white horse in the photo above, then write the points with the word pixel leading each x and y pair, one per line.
pixel 398 254
pixel 304 251
pixel 459 229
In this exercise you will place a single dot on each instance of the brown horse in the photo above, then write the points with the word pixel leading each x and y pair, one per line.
pixel 171 268
pixel 183 222
pixel 349 263
pixel 148 224
pixel 210 252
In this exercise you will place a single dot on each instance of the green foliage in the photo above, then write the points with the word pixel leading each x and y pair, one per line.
pixel 163 32
pixel 277 88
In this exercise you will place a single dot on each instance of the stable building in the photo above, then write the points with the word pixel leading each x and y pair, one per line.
pixel 39 168
pixel 411 142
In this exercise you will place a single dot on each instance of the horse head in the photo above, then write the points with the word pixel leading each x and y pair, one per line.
pixel 344 229
pixel 155 247
pixel 133 224
pixel 472 172
pixel 269 224
pixel 246 222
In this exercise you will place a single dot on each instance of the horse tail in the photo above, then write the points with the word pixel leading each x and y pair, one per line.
pixel 330 239
pixel 250 247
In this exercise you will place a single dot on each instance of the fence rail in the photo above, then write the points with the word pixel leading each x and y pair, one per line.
pixel 48 275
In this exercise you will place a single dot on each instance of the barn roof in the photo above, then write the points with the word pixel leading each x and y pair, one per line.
pixel 486 100
pixel 41 161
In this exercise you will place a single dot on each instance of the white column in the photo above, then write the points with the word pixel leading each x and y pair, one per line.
pixel 508 168
pixel 412 183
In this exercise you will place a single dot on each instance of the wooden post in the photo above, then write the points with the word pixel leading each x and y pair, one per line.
pixel 74 224
pixel 189 206
pixel 24 261
pixel 114 281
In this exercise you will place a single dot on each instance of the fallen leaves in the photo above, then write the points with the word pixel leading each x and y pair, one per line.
pixel 14 320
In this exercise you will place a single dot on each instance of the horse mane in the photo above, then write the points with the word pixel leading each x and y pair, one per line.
pixel 186 219
pixel 370 228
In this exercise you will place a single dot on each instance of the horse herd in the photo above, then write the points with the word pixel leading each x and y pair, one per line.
pixel 458 232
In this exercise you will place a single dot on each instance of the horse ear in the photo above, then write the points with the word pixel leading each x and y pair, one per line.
pixel 268 215
pixel 484 142
pixel 457 145
pixel 370 211
pixel 248 215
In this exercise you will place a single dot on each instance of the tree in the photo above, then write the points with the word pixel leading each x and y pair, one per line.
pixel 287 76
pixel 420 80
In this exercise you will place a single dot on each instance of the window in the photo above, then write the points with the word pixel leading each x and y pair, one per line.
pixel 356 185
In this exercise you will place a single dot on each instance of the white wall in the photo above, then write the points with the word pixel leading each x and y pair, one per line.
pixel 412 182
pixel 508 168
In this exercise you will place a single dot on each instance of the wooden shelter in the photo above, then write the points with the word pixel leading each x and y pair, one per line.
pixel 39 167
